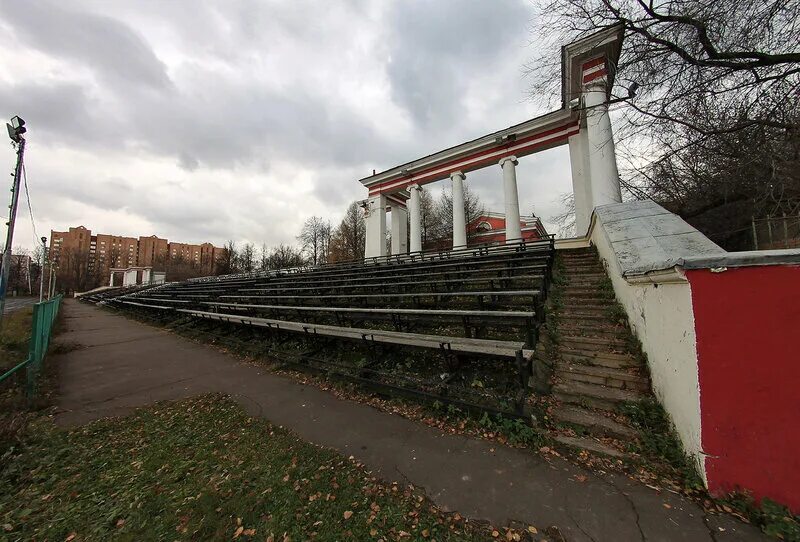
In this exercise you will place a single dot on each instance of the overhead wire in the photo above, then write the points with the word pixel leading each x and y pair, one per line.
pixel 30 208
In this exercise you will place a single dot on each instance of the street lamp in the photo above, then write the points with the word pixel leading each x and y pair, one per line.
pixel 41 268
pixel 15 130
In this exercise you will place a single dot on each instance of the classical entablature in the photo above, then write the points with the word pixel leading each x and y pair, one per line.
pixel 582 122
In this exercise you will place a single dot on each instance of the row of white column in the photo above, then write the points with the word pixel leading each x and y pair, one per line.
pixel 595 182
pixel 412 215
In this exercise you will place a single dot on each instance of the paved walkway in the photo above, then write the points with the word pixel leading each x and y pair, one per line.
pixel 126 364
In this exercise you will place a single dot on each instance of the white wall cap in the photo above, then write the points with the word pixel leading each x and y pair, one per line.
pixel 646 237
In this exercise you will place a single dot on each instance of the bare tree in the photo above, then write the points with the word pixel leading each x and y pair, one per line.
pixel 227 262
pixel 263 258
pixel 712 130
pixel 428 218
pixel 441 229
pixel 286 256
pixel 349 238
pixel 315 238
pixel 565 220
pixel 247 258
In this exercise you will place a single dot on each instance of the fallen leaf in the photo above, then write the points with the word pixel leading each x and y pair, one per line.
pixel 581 477
pixel 495 534
pixel 238 531
pixel 347 514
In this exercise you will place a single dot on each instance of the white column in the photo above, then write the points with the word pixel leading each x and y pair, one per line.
pixel 459 213
pixel 513 229
pixel 399 230
pixel 415 217
pixel 602 158
pixel 129 278
pixel 375 218
pixel 581 181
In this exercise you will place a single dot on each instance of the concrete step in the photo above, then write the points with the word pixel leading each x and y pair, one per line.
pixel 576 269
pixel 594 422
pixel 593 327
pixel 611 377
pixel 593 277
pixel 603 343
pixel 573 291
pixel 575 304
pixel 585 321
pixel 588 443
pixel 577 254
pixel 592 395
pixel 599 359
pixel 580 310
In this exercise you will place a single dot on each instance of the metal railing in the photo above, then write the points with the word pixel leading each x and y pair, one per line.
pixel 520 245
pixel 44 315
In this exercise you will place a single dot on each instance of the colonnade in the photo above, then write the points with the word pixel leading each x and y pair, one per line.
pixel 595 182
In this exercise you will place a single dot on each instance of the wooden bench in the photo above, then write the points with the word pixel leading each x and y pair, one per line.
pixel 489 347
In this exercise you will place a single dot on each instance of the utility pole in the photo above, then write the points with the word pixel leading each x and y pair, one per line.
pixel 41 268
pixel 15 130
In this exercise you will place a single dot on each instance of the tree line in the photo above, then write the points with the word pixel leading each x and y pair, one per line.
pixel 319 242
pixel 711 94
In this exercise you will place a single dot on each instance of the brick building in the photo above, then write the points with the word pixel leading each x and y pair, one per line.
pixel 81 254
pixel 490 229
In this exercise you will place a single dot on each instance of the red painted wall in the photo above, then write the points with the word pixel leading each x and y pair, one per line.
pixel 747 322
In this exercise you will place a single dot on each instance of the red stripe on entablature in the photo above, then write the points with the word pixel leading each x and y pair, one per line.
pixel 396 200
pixel 572 129
pixel 595 75
pixel 593 63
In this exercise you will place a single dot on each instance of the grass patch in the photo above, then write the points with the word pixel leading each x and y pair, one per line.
pixel 773 518
pixel 202 469
pixel 657 438
pixel 14 337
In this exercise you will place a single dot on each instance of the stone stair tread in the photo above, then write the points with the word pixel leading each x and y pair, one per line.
pixel 605 393
pixel 586 443
pixel 579 311
pixel 604 372
pixel 596 329
pixel 600 341
pixel 578 303
pixel 591 354
pixel 595 422
pixel 599 362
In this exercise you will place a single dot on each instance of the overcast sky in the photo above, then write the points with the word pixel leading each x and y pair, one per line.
pixel 207 121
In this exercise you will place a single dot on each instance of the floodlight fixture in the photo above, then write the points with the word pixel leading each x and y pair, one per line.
pixel 17 122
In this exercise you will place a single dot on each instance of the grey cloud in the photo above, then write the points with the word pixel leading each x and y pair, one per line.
pixel 436 47
pixel 252 88
pixel 105 44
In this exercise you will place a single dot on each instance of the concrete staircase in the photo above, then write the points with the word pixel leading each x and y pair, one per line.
pixel 594 369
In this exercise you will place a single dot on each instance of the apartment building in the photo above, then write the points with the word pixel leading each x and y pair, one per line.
pixel 78 248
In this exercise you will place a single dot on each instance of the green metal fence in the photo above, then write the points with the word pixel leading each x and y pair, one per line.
pixel 44 315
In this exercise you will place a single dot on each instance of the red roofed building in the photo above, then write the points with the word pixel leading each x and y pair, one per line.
pixel 490 229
